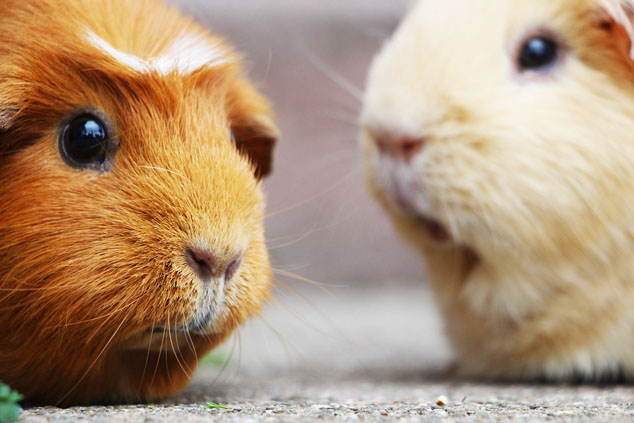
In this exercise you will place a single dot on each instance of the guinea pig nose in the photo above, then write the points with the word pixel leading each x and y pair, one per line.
pixel 202 261
pixel 399 147
pixel 233 267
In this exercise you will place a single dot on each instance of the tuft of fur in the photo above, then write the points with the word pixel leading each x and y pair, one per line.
pixel 533 177
pixel 92 264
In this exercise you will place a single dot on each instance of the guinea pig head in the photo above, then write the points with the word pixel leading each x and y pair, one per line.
pixel 502 130
pixel 131 211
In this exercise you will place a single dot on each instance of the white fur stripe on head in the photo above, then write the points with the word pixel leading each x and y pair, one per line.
pixel 188 53
pixel 621 11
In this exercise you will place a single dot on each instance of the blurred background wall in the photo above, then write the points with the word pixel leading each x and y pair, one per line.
pixel 323 224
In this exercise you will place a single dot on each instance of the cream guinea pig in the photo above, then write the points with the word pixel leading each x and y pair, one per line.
pixel 131 212
pixel 499 137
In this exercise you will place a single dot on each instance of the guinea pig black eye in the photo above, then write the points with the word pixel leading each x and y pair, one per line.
pixel 538 53
pixel 84 142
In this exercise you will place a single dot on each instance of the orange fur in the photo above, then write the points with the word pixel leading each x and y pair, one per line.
pixel 91 262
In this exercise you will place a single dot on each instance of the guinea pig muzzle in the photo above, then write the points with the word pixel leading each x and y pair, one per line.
pixel 214 274
pixel 408 197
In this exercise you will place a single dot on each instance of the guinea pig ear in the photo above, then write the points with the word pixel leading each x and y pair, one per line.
pixel 621 12
pixel 253 126
pixel 256 138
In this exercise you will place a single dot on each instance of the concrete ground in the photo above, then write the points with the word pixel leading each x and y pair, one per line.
pixel 352 355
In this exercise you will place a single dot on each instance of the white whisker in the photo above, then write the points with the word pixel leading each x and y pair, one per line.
pixel 343 83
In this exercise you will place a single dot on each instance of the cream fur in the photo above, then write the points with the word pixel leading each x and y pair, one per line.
pixel 533 175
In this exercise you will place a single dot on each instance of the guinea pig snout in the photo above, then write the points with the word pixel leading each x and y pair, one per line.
pixel 400 185
pixel 209 266
pixel 398 146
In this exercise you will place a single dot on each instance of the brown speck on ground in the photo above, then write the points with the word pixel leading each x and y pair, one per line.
pixel 442 400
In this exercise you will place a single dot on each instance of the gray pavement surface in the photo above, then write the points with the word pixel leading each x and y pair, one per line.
pixel 348 354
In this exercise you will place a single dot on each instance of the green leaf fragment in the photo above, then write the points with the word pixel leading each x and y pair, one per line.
pixel 9 408
pixel 215 358
pixel 213 405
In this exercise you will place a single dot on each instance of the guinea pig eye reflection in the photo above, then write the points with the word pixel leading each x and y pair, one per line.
pixel 84 141
pixel 538 53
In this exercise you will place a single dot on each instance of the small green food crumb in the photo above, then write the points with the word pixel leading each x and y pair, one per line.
pixel 216 358
pixel 9 408
pixel 213 405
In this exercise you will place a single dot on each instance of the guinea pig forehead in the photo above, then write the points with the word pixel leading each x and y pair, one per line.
pixel 67 77
pixel 187 56
pixel 201 95
pixel 451 27
pixel 445 36
pixel 178 56
pixel 186 53
pixel 185 114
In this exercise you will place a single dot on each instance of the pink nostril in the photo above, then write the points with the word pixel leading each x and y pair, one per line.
pixel 233 267
pixel 202 262
pixel 401 148
pixel 207 266
pixel 410 147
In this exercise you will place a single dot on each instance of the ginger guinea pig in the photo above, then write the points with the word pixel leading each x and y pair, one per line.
pixel 499 136
pixel 131 214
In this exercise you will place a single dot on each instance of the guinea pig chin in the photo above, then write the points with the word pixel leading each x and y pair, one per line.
pixel 210 306
pixel 201 321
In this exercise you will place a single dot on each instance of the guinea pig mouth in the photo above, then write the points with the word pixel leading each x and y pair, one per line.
pixel 436 230
pixel 401 196
pixel 158 338
pixel 199 326
pixel 159 330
